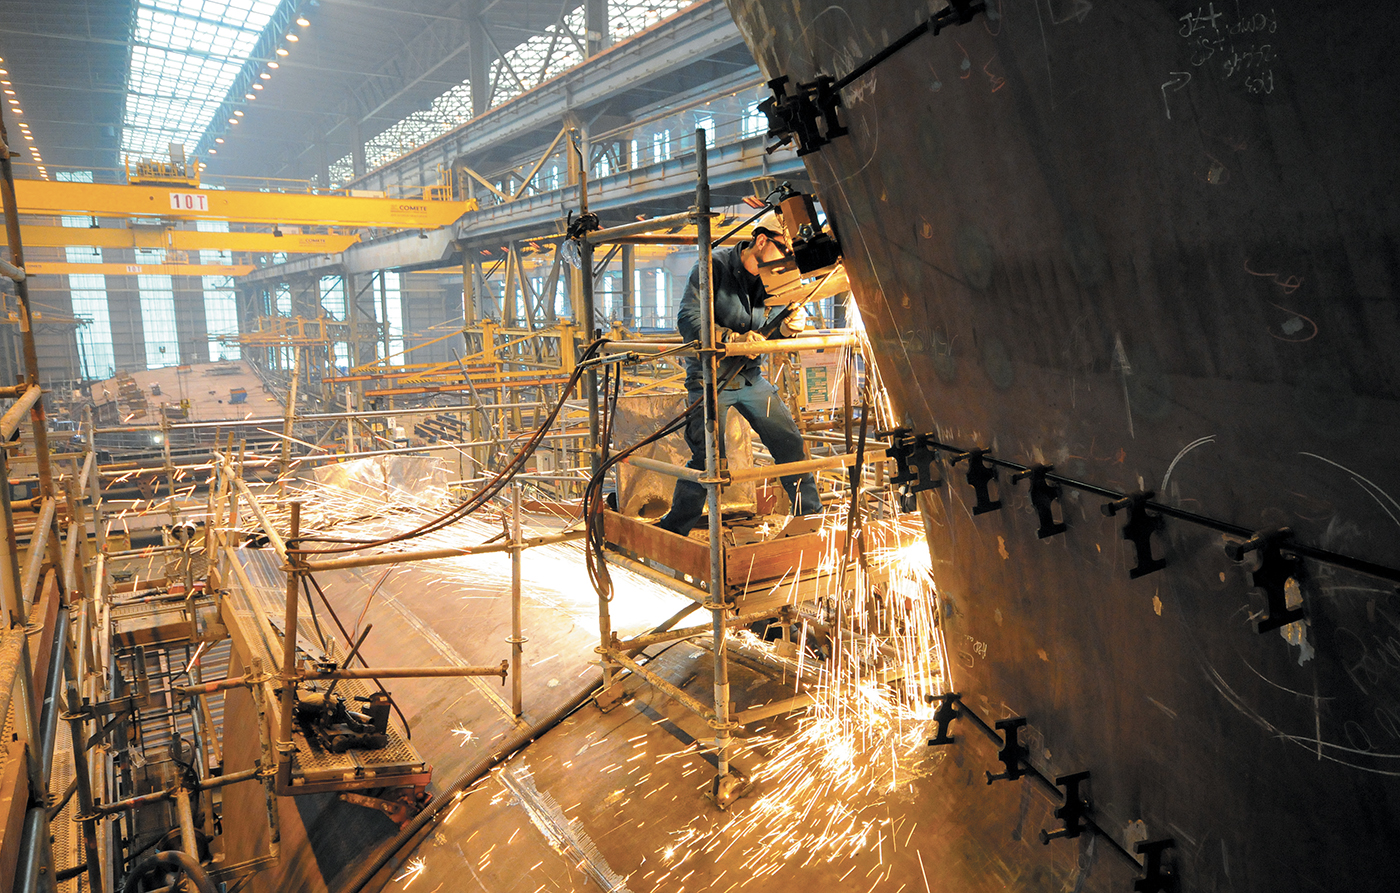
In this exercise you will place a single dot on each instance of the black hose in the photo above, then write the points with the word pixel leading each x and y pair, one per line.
pixel 172 860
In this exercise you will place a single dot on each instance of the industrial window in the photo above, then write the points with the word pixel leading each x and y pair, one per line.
pixel 220 300
pixel 185 56
pixel 221 318
pixel 524 67
pixel 755 122
pixel 663 298
pixel 707 124
pixel 158 320
pixel 283 306
pixel 393 303
pixel 333 297
pixel 661 145
pixel 88 293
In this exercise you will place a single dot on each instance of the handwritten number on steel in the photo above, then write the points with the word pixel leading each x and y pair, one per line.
pixel 1179 79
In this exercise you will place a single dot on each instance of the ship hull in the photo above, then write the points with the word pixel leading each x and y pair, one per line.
pixel 1153 245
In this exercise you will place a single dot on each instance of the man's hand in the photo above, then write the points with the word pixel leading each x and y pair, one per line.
pixel 795 323
pixel 741 337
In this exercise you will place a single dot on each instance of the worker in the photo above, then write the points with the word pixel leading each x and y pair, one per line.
pixel 739 313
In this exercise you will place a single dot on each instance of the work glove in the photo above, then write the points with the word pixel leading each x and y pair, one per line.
pixel 795 322
pixel 741 337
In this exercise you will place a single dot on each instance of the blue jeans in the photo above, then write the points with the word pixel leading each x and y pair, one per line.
pixel 766 413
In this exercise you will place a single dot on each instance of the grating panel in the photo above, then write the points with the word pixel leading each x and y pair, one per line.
pixel 312 764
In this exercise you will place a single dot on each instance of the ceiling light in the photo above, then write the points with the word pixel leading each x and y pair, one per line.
pixel 28 137
pixel 233 120
pixel 218 139
pixel 19 111
pixel 293 38
pixel 265 76
pixel 249 96
pixel 301 20
pixel 282 51
pixel 213 151
pixel 238 112
pixel 14 102
pixel 272 65
pixel 257 86
pixel 9 93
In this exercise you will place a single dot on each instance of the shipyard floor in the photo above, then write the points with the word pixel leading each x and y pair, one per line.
pixel 836 796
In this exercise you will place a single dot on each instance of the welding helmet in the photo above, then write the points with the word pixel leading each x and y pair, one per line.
pixel 776 266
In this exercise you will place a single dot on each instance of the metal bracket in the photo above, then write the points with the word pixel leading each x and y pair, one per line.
pixel 922 459
pixel 1138 530
pixel 1155 879
pixel 1012 753
pixel 809 115
pixel 1073 811
pixel 979 475
pixel 901 449
pixel 949 709
pixel 1276 568
pixel 1043 496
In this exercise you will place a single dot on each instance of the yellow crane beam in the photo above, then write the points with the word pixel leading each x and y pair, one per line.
pixel 185 203
pixel 181 239
pixel 59 268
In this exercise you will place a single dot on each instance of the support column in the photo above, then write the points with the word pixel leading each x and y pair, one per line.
pixel 352 320
pixel 479 60
pixel 469 297
pixel 357 147
pixel 323 157
pixel 596 25
pixel 629 278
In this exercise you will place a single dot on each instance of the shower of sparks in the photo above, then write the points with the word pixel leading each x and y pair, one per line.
pixel 411 871
pixel 822 792
pixel 826 786
pixel 463 735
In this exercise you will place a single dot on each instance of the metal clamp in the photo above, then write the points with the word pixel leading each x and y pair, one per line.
pixel 1012 753
pixel 1155 879
pixel 1276 568
pixel 1138 530
pixel 1073 811
pixel 949 709
pixel 980 475
pixel 923 457
pixel 1043 495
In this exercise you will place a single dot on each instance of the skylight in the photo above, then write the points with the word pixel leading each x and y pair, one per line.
pixel 185 56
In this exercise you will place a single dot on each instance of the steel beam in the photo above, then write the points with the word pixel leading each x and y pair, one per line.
pixel 111 200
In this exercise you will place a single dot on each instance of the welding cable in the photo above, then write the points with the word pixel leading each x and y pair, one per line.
pixel 170 861
pixel 474 502
pixel 408 730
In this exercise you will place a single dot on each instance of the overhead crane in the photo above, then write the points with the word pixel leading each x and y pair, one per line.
pixel 172 239
pixel 145 200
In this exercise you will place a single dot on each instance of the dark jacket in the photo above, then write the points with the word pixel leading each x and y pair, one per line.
pixel 739 297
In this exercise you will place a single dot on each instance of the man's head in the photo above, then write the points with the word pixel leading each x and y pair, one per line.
pixel 768 246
